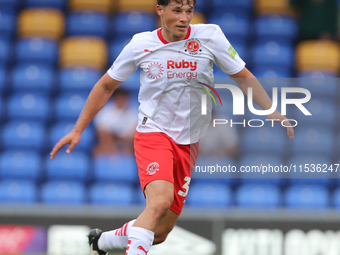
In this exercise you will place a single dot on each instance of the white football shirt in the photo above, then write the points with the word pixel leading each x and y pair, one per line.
pixel 170 93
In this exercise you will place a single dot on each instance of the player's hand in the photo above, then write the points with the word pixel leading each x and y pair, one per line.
pixel 71 138
pixel 277 116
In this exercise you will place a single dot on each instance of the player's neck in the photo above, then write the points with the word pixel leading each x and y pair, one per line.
pixel 170 37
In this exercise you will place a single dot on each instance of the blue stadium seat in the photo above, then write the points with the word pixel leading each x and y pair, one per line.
pixel 87 24
pixel 5 52
pixel 20 164
pixel 55 4
pixel 9 6
pixel 336 198
pixel 3 80
pixel 69 105
pixel 258 195
pixel 37 51
pixel 307 196
pixel 28 106
pixel 212 195
pixel 273 54
pixel 320 84
pixel 3 114
pixel 24 135
pixel 232 25
pixel 74 166
pixel 8 21
pixel 60 129
pixel 116 168
pixel 63 192
pixel 266 139
pixel 313 141
pixel 270 72
pixel 275 26
pixel 264 161
pixel 130 23
pixel 323 113
pixel 112 194
pixel 33 78
pixel 245 4
pixel 17 191
pixel 315 175
pixel 116 46
pixel 203 6
pixel 78 79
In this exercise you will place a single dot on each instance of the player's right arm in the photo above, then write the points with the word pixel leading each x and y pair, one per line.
pixel 98 97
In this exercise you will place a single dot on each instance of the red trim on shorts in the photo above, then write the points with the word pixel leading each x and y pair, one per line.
pixel 160 36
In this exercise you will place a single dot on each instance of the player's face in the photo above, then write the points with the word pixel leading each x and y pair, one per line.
pixel 176 18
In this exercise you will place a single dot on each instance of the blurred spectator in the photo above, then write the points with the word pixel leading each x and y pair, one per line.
pixel 221 140
pixel 116 125
pixel 318 18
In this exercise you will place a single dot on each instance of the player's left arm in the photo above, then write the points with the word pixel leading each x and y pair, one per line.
pixel 246 79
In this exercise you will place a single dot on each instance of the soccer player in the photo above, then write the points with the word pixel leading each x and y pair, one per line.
pixel 174 61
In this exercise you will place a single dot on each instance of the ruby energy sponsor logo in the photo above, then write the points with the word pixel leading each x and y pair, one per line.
pixel 182 69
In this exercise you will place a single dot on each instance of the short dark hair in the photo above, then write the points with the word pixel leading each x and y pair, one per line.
pixel 166 2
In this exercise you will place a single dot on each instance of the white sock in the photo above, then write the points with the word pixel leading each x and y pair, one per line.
pixel 140 241
pixel 115 239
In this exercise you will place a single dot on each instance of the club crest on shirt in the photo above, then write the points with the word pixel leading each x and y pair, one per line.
pixel 155 70
pixel 152 168
pixel 193 46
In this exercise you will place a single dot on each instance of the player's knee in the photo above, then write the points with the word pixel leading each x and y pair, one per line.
pixel 160 206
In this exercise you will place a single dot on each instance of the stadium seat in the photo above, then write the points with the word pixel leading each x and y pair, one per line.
pixel 83 51
pixel 9 6
pixel 276 26
pixel 272 73
pixel 3 81
pixel 273 54
pixel 37 51
pixel 130 23
pixel 120 168
pixel 24 135
pixel 28 106
pixel 116 46
pixel 317 55
pixel 40 22
pixel 203 6
pixel 320 84
pixel 323 113
pixel 87 23
pixel 258 195
pixel 63 192
pixel 112 194
pixel 33 78
pixel 316 164
pixel 5 52
pixel 60 129
pixel 18 164
pixel 336 198
pixel 69 105
pixel 264 140
pixel 307 196
pixel 3 114
pixel 273 7
pixel 313 141
pixel 54 4
pixel 17 191
pixel 91 5
pixel 74 166
pixel 198 18
pixel 208 195
pixel 258 162
pixel 244 6
pixel 231 24
pixel 8 24
pixel 78 79
pixel 137 5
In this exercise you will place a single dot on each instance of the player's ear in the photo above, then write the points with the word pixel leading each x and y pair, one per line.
pixel 159 10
